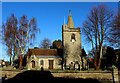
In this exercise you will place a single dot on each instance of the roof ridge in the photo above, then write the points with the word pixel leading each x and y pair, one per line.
pixel 43 49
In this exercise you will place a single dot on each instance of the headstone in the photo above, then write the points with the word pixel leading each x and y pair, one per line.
pixel 71 66
pixel 76 66
pixel 14 68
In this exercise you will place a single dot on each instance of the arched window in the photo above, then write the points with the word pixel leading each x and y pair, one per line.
pixel 73 38
pixel 41 62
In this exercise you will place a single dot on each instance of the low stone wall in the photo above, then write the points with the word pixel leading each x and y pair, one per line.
pixel 98 75
pixel 10 73
pixel 119 76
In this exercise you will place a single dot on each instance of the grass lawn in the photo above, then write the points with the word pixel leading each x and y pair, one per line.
pixel 90 69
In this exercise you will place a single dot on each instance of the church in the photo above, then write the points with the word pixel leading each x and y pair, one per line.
pixel 71 56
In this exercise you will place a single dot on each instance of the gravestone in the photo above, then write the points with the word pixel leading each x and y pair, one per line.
pixel 71 67
pixel 76 66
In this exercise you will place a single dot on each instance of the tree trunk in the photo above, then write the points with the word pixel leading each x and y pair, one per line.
pixel 96 61
pixel 96 53
pixel 99 63
pixel 13 56
pixel 20 61
pixel 10 60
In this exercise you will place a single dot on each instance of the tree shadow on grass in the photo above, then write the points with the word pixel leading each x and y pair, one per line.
pixel 44 76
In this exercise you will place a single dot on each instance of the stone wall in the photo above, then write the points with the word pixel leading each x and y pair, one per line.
pixel 100 75
pixel 119 76
pixel 10 73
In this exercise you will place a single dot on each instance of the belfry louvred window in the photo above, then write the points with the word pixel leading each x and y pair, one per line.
pixel 73 38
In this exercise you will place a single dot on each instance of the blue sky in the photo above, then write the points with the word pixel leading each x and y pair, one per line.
pixel 50 17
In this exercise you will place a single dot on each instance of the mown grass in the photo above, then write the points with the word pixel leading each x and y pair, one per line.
pixel 90 69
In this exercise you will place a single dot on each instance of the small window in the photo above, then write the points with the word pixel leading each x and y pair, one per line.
pixel 41 62
pixel 73 38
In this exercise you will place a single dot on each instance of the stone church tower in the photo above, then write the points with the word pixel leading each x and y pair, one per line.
pixel 71 37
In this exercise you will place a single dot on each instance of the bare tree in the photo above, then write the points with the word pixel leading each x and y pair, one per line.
pixel 21 34
pixel 45 43
pixel 25 35
pixel 8 31
pixel 96 29
pixel 114 37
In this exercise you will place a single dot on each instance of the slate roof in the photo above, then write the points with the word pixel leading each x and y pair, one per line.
pixel 44 52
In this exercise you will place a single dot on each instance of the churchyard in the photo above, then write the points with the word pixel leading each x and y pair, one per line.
pixel 106 76
pixel 86 53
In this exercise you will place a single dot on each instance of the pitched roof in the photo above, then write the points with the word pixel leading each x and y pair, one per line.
pixel 70 21
pixel 43 52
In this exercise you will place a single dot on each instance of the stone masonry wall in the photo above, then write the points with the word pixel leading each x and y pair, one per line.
pixel 84 75
pixel 10 74
pixel 119 76
pixel 100 75
pixel 71 51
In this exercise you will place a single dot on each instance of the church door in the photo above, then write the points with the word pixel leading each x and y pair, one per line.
pixel 50 64
pixel 33 64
